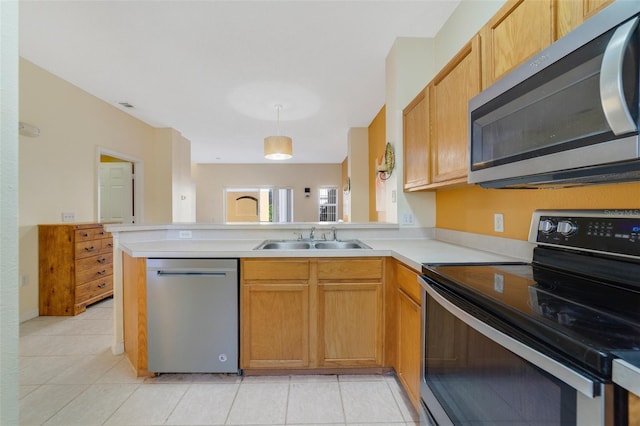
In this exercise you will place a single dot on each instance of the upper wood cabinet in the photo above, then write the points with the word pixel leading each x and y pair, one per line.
pixel 450 92
pixel 417 173
pixel 520 29
pixel 571 13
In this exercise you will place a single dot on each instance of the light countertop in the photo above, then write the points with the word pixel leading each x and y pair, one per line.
pixel 412 252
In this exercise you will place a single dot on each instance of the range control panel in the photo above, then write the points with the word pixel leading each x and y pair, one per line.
pixel 615 231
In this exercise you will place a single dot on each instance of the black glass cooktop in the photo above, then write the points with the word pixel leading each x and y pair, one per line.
pixel 581 319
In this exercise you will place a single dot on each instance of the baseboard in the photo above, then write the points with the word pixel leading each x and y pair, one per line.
pixel 26 316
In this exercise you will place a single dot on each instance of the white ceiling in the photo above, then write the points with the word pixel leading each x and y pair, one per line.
pixel 214 70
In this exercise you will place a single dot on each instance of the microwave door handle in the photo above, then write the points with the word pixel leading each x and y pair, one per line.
pixel 611 85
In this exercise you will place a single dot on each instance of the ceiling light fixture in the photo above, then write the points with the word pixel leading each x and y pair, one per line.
pixel 278 147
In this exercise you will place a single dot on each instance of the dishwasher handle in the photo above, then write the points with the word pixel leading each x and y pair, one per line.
pixel 191 273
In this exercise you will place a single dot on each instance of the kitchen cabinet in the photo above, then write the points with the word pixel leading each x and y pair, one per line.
pixel 350 312
pixel 311 313
pixel 75 267
pixel 417 171
pixel 450 91
pixel 275 313
pixel 634 409
pixel 134 313
pixel 519 30
pixel 571 13
pixel 409 320
pixel 435 124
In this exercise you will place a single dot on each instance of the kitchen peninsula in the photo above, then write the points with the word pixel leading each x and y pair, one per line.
pixel 317 280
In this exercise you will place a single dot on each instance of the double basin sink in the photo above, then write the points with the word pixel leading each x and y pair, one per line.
pixel 311 245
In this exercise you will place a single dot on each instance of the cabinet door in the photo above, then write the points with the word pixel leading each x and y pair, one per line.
pixel 520 29
pixel 451 90
pixel 350 324
pixel 416 142
pixel 409 313
pixel 572 13
pixel 275 325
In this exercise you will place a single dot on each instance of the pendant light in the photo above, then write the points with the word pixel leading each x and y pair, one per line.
pixel 278 147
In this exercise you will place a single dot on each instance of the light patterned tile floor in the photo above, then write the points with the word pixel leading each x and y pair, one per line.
pixel 69 376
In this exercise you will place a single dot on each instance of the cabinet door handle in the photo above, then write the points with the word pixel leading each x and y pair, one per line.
pixel 92 248
pixel 102 285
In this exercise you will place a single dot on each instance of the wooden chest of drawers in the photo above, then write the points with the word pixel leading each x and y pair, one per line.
pixel 75 267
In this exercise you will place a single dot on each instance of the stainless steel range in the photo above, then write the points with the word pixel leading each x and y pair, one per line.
pixel 535 344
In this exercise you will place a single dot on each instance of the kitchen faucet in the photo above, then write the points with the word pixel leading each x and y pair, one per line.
pixel 312 233
pixel 335 233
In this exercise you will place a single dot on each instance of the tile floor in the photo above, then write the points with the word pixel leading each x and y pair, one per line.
pixel 68 376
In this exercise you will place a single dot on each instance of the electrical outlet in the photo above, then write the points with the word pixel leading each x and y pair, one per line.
pixel 498 222
pixel 498 283
pixel 407 218
pixel 394 196
pixel 185 234
pixel 24 280
pixel 68 216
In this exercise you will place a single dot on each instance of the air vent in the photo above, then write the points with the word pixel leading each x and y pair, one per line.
pixel 126 104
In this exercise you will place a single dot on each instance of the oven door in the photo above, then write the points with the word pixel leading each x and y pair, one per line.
pixel 477 372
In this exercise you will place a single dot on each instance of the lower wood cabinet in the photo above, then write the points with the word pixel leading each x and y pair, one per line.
pixel 311 313
pixel 409 320
pixel 275 313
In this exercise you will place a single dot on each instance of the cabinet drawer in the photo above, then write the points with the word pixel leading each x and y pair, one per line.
pixel 407 280
pixel 93 289
pixel 350 269
pixel 93 247
pixel 275 269
pixel 94 261
pixel 91 234
pixel 84 275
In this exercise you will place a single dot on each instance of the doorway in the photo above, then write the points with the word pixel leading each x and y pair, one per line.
pixel 119 188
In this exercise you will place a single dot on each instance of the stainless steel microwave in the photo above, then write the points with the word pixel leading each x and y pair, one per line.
pixel 568 116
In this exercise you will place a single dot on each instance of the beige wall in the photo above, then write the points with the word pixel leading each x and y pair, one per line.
pixel 58 171
pixel 358 169
pixel 212 179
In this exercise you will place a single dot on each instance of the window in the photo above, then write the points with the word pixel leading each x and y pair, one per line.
pixel 259 205
pixel 328 201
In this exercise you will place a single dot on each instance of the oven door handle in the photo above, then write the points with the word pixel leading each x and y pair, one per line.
pixel 577 381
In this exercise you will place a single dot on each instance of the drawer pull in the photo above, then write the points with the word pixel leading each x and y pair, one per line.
pixel 101 232
pixel 103 272
pixel 102 285
pixel 85 234
pixel 102 260
pixel 92 248
pixel 110 244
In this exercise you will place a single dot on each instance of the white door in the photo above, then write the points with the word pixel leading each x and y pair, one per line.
pixel 116 192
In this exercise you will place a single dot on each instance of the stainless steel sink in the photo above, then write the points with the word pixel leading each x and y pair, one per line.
pixel 311 245
pixel 284 245
pixel 340 245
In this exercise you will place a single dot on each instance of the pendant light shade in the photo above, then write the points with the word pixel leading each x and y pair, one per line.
pixel 278 147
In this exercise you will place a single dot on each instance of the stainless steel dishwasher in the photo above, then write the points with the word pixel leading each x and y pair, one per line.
pixel 192 315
